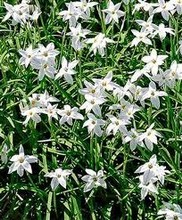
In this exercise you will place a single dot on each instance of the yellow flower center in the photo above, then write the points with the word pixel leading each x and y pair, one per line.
pixel 68 113
pixel 21 159
pixel 93 122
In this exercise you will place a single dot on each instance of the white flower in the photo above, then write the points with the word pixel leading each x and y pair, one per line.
pixel 105 83
pixel 10 12
pixel 129 112
pixel 162 78
pixel 91 89
pixel 35 15
pixel 149 170
pixel 174 73
pixel 138 92
pixel 93 103
pixel 68 114
pixel 72 14
pixel 178 6
pixel 122 105
pixel 30 113
pixel 21 13
pixel 147 26
pixel 138 73
pixel 44 99
pixel 154 95
pixel 47 54
pixel 45 68
pixel 120 92
pixel 41 100
pixel 21 162
pixel 164 8
pixel 134 138
pixel 153 61
pixel 58 177
pixel 171 211
pixel 77 33
pixel 152 172
pixel 94 125
pixel 162 31
pixel 146 187
pixel 93 179
pixel 170 76
pixel 117 124
pixel 140 37
pixel 149 166
pixel 27 55
pixel 144 5
pixel 34 101
pixel 41 58
pixel 99 43
pixel 150 137
pixel 113 12
pixel 85 6
pixel 51 111
pixel 66 70
pixel 160 172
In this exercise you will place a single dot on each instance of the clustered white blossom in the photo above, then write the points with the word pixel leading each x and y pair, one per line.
pixel 149 30
pixel 77 10
pixel 153 72
pixel 41 104
pixel 21 163
pixel 41 59
pixel 109 108
pixel 118 119
pixel 22 13
pixel 166 8
pixel 151 174
pixel 80 11
pixel 96 95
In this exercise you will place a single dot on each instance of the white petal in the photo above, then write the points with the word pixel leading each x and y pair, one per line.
pixel 144 192
pixel 90 172
pixel 31 159
pixel 68 78
pixel 54 183
pixel 62 182
pixel 102 183
pixel 20 171
pixel 73 64
pixel 88 187
pixel 13 167
pixel 149 144
pixel 21 149
pixel 27 166
pixel 155 102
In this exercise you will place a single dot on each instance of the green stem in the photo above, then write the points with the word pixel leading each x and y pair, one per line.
pixel 150 114
pixel 91 151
